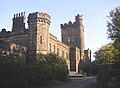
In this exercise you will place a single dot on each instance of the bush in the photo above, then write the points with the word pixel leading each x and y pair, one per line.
pixel 55 65
pixel 108 77
pixel 15 74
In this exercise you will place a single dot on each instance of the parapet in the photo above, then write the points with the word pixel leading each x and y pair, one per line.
pixel 69 24
pixel 22 14
pixel 4 32
pixel 79 18
pixel 39 16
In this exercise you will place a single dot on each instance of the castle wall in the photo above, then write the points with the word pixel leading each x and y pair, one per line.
pixel 87 55
pixel 12 51
pixel 20 39
pixel 74 59
pixel 52 46
pixel 58 48
pixel 77 59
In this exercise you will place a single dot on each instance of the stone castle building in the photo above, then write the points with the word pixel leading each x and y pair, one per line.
pixel 37 38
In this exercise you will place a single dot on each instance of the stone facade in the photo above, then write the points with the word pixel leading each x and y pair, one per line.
pixel 37 38
pixel 74 59
pixel 87 55
pixel 73 34
pixel 12 51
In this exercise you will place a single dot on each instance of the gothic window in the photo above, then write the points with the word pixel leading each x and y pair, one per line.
pixel 40 39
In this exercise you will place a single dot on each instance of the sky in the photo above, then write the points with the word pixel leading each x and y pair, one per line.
pixel 94 13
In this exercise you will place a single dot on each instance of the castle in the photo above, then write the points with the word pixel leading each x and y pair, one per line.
pixel 37 39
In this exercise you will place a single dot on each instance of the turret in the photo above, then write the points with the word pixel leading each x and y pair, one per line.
pixel 39 17
pixel 38 24
pixel 80 34
pixel 79 19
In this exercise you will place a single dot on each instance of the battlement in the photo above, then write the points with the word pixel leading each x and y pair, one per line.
pixel 19 17
pixel 3 32
pixel 22 14
pixel 39 17
pixel 69 24
pixel 78 19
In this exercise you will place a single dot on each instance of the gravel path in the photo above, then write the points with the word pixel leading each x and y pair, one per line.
pixel 81 83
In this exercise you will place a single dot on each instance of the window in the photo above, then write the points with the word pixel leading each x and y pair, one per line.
pixel 62 53
pixel 57 51
pixel 54 48
pixel 68 39
pixel 40 39
pixel 72 39
pixel 50 47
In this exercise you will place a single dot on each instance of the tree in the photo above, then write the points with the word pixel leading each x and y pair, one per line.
pixel 48 68
pixel 114 25
pixel 56 66
pixel 105 54
pixel 114 31
pixel 108 56
pixel 86 68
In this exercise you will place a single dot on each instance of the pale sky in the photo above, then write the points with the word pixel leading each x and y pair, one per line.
pixel 62 11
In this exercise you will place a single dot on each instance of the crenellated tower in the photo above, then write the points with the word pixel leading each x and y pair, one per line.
pixel 38 24
pixel 73 34
pixel 18 22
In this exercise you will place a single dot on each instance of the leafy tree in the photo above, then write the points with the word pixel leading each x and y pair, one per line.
pixel 55 65
pixel 114 25
pixel 114 30
pixel 17 74
pixel 108 56
pixel 105 54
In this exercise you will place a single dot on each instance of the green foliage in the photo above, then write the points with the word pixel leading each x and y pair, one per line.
pixel 86 68
pixel 55 65
pixel 13 74
pixel 108 56
pixel 105 54
pixel 16 74
pixel 114 24
pixel 114 30
pixel 89 69
pixel 108 77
